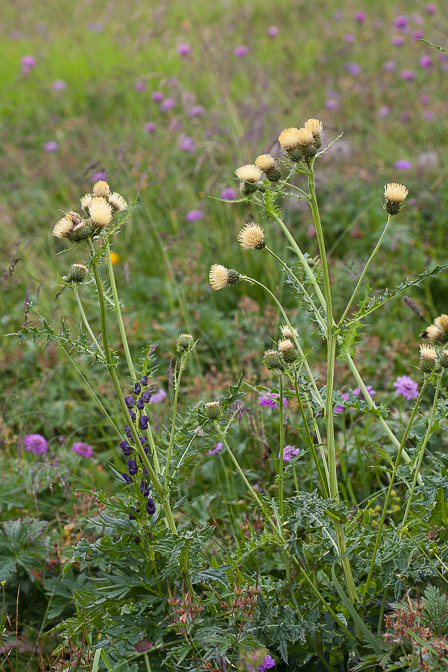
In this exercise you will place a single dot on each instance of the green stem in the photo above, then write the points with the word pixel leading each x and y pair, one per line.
pixel 124 339
pixel 86 323
pixel 392 482
pixel 111 368
pixel 365 269
pixel 173 424
pixel 281 437
pixel 422 452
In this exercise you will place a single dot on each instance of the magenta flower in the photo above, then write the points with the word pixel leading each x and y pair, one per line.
pixel 167 104
pixel 407 387
pixel 51 146
pixel 425 61
pixel 187 144
pixel 196 111
pixel 360 17
pixel 429 114
pixel 389 66
pixel 27 64
pixel 408 75
pixel 353 68
pixel 383 111
pixel 417 34
pixel 398 41
pixel 357 392
pixel 158 396
pixel 98 175
pixel 83 448
pixel 150 126
pixel 431 8
pixel 289 452
pixel 267 663
pixel 58 85
pixel 194 215
pixel 349 37
pixel 157 96
pixel 272 31
pixel 140 85
pixel 269 400
pixel 331 104
pixel 228 194
pixel 217 447
pixel 183 49
pixel 241 50
pixel 403 164
pixel 36 443
pixel 401 22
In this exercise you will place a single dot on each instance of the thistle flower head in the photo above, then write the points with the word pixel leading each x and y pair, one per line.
pixel 265 162
pixel 272 360
pixel 77 273
pixel 184 343
pixel 220 277
pixel 63 228
pixel 251 237
pixel 86 201
pixel 101 188
pixel 249 173
pixel 287 333
pixel 304 137
pixel 100 211
pixel 117 201
pixel 441 323
pixel 438 331
pixel 443 359
pixel 428 357
pixel 394 194
pixel 288 350
pixel 289 138
pixel 74 216
pixel 315 126
pixel 82 231
pixel 212 410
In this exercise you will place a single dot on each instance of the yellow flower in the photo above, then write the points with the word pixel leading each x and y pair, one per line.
pixel 251 237
pixel 114 257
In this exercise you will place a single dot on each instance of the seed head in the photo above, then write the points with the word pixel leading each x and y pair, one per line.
pixel 213 410
pixel 77 273
pixel 220 277
pixel 251 237
pixel 63 228
pixel 100 211
pixel 315 126
pixel 394 194
pixel 272 360
pixel 428 357
pixel 288 350
pixel 101 188
pixel 249 173
pixel 86 201
pixel 184 343
pixel 117 201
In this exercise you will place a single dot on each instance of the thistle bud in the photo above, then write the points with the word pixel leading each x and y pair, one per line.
pixel 306 142
pixel 82 231
pixel 428 356
pixel 287 333
pixel 288 351
pixel 101 189
pixel 394 194
pixel 266 163
pixel 250 176
pixel 272 360
pixel 443 359
pixel 213 410
pixel 220 277
pixel 251 237
pixel 77 273
pixel 184 343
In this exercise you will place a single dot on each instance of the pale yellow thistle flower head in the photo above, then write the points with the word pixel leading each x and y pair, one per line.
pixel 86 201
pixel 117 201
pixel 213 410
pixel 220 277
pixel 63 228
pixel 249 173
pixel 394 194
pixel 432 333
pixel 101 188
pixel 315 126
pixel 442 323
pixel 428 357
pixel 251 237
pixel 304 137
pixel 265 162
pixel 100 211
pixel 287 333
pixel 288 138
pixel 74 216
pixel 285 344
pixel 288 350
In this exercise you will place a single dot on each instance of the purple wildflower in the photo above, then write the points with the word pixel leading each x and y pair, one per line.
pixel 158 396
pixel 132 466
pixel 389 66
pixel 383 111
pixel 349 38
pixel 51 146
pixel 183 49
pixel 150 507
pixel 353 68
pixel 269 400
pixel 398 41
pixel 417 34
pixel 216 449
pixel 146 396
pixel 140 404
pixel 267 663
pixel 98 175
pixel 429 114
pixel 228 194
pixel 194 215
pixel 144 379
pixel 150 127
pixel 167 104
pixel 27 63
pixel 143 422
pixel 431 8
pixel 196 111
pixel 289 452
pixel 187 144
pixel 157 96
pixel 241 50
pixel 272 31
pixel 331 104
pixel 36 443
pixel 408 75
pixel 401 21
pixel 140 85
pixel 83 448
pixel 129 401
pixel 425 61
pixel 407 387
pixel 126 477
pixel 357 392
pixel 403 164
pixel 58 85
pixel 360 17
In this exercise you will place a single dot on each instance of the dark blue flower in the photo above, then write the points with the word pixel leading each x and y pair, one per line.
pixel 140 404
pixel 137 388
pixel 129 401
pixel 144 488
pixel 126 477
pixel 128 431
pixel 146 396
pixel 150 507
pixel 143 422
pixel 132 465
pixel 144 379
pixel 132 414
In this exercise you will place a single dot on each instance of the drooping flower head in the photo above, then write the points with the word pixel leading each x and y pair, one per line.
pixel 220 277
pixel 117 201
pixel 63 228
pixel 251 237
